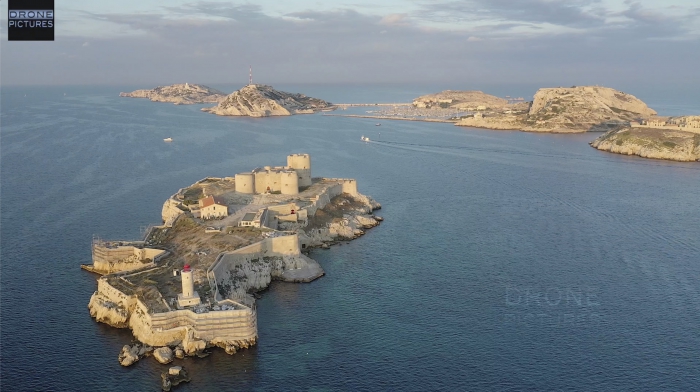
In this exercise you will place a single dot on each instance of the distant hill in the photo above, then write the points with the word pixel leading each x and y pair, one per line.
pixel 179 94
pixel 467 100
pixel 258 100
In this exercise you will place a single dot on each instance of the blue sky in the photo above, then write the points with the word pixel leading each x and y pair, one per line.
pixel 552 42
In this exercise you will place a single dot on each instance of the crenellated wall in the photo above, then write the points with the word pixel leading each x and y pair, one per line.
pixel 108 259
pixel 169 328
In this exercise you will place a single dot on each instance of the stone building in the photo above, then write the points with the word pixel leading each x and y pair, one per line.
pixel 283 179
pixel 212 207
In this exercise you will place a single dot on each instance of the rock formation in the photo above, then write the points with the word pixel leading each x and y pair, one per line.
pixel 179 94
pixel 466 100
pixel 647 142
pixel 163 355
pixel 566 110
pixel 257 100
pixel 174 376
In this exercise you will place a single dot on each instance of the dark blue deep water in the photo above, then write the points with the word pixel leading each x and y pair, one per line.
pixel 506 261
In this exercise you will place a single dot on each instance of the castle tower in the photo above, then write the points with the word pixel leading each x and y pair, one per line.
pixel 188 297
pixel 289 182
pixel 301 163
pixel 245 183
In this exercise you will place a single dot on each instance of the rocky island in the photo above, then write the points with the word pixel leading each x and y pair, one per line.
pixel 671 138
pixel 191 283
pixel 179 94
pixel 566 110
pixel 258 100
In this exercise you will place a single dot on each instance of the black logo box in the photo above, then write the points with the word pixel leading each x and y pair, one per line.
pixel 30 28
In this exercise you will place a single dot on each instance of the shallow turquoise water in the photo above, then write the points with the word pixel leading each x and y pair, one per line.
pixel 506 261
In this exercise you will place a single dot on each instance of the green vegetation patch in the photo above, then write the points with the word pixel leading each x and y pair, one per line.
pixel 670 145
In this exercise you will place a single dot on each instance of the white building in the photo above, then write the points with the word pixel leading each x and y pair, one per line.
pixel 212 207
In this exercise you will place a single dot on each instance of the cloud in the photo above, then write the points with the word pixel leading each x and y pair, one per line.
pixel 395 20
pixel 216 42
pixel 86 44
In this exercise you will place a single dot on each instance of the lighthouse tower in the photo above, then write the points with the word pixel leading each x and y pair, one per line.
pixel 189 297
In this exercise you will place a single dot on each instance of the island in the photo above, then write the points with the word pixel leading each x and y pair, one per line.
pixel 179 94
pixel 191 282
pixel 565 110
pixel 259 100
pixel 671 138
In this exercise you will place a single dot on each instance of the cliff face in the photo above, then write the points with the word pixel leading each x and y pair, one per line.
pixel 258 100
pixel 459 100
pixel 667 144
pixel 565 110
pixel 179 94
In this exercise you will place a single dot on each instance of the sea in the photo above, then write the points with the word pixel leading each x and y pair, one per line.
pixel 506 261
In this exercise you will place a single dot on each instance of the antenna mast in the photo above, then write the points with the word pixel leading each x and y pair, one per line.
pixel 250 78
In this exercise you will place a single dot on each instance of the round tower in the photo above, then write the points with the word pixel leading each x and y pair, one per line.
pixel 245 183
pixel 189 297
pixel 301 163
pixel 290 183
pixel 187 282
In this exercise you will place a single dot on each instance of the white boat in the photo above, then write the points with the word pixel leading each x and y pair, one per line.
pixel 364 138
pixel 168 139
pixel 377 124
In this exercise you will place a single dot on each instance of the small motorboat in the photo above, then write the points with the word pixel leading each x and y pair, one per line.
pixel 364 138
pixel 377 124
pixel 168 139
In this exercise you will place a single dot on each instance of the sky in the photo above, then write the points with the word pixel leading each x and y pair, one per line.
pixel 547 42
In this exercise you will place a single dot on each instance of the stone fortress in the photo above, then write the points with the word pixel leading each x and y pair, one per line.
pixel 283 179
pixel 225 238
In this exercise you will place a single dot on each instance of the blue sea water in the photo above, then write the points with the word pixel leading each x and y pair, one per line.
pixel 506 261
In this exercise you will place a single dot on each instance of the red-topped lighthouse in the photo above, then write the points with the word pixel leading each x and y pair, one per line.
pixel 189 297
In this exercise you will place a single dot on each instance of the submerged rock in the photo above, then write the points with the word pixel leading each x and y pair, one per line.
pixel 174 376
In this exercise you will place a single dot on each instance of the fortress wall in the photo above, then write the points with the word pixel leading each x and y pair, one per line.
pixel 324 198
pixel 669 127
pixel 238 324
pixel 282 246
pixel 113 294
pixel 122 258
pixel 169 328
pixel 277 246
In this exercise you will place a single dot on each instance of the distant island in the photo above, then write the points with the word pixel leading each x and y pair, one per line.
pixel 630 126
pixel 565 110
pixel 191 283
pixel 179 94
pixel 258 100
